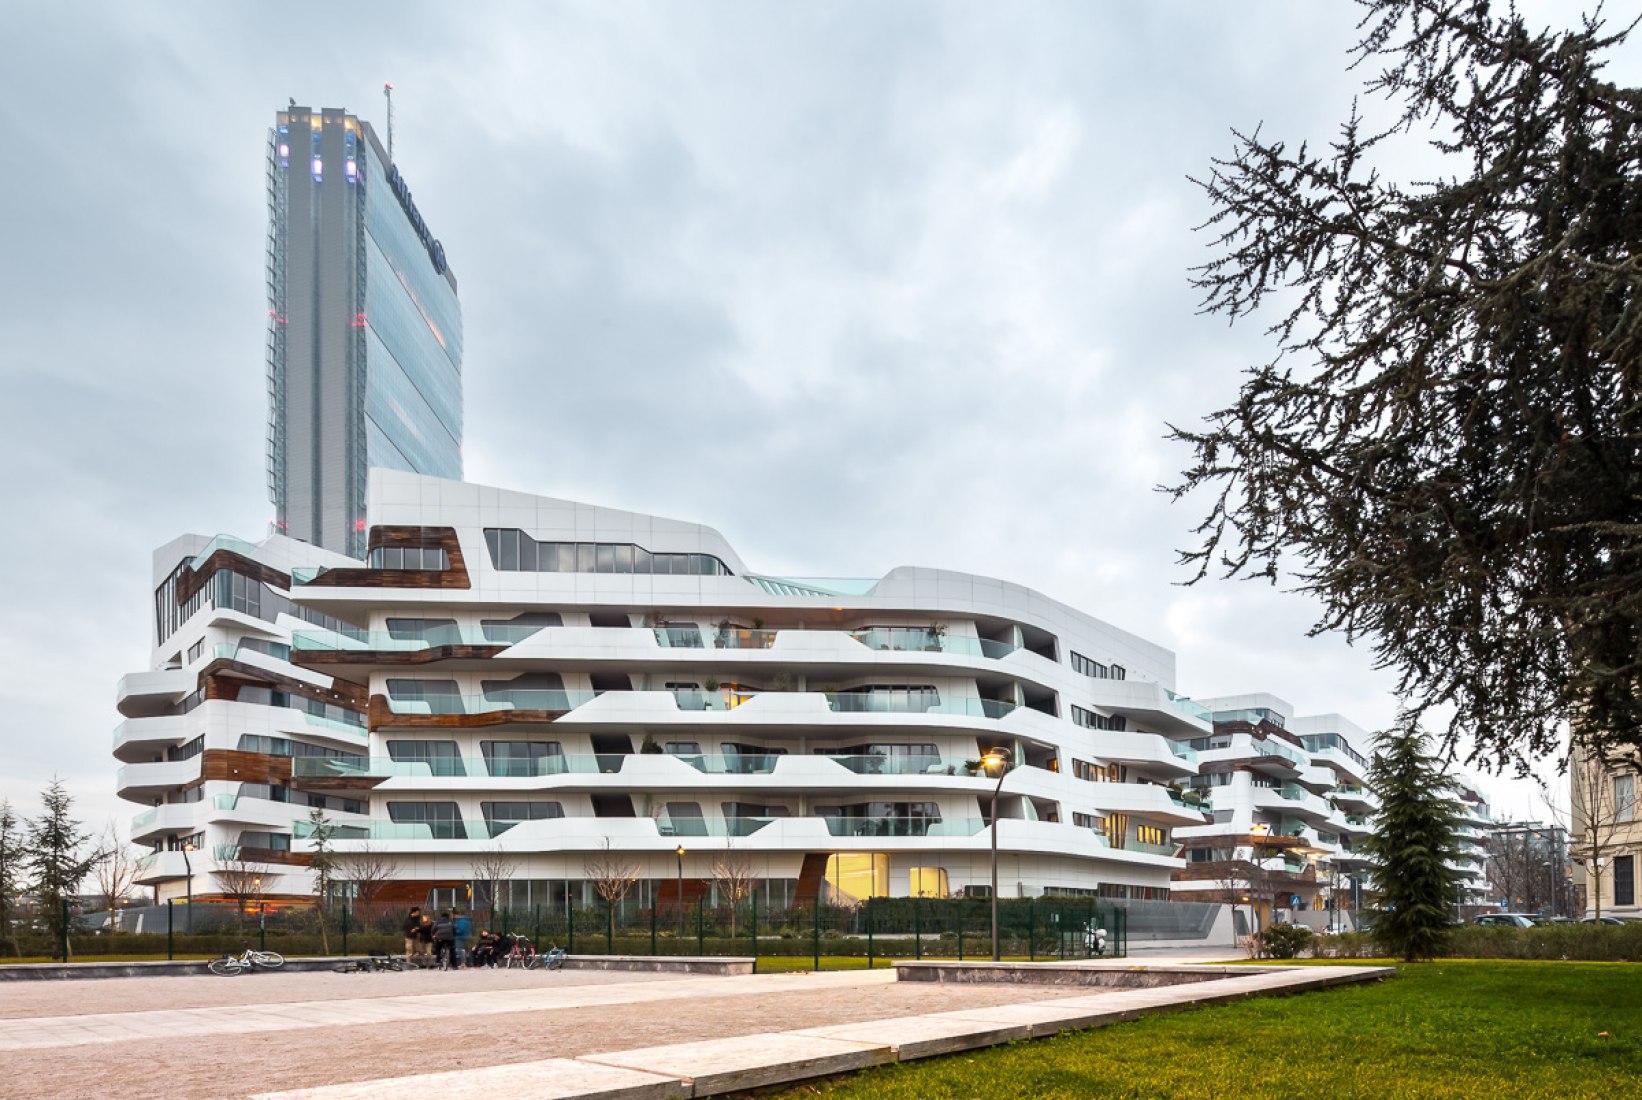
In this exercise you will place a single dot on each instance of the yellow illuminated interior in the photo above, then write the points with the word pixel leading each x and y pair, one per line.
pixel 857 875
pixel 928 882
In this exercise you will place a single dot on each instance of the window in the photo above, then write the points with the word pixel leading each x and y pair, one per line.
pixel 502 816
pixel 1089 821
pixel 1151 834
pixel 1093 720
pixel 440 820
pixel 523 758
pixel 431 558
pixel 1095 669
pixel 195 650
pixel 1624 880
pixel 433 631
pixel 280 746
pixel 512 550
pixel 1624 797
pixel 441 757
pixel 187 750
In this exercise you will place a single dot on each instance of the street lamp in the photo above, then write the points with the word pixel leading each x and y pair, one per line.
pixel 189 867
pixel 996 759
pixel 680 854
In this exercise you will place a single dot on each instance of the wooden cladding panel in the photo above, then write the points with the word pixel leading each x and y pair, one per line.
pixel 195 579
pixel 219 685
pixel 320 658
pixel 234 766
pixel 454 577
pixel 380 717
pixel 329 783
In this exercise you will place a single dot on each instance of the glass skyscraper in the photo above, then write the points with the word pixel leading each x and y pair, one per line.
pixel 364 329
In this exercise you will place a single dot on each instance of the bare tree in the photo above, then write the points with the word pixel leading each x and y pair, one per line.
pixel 116 870
pixel 613 874
pixel 370 869
pixel 241 881
pixel 1594 818
pixel 490 869
pixel 732 874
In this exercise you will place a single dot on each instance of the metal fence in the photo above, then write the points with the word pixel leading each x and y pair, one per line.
pixel 879 928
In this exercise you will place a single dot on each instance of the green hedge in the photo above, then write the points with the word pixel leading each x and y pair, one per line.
pixel 1581 942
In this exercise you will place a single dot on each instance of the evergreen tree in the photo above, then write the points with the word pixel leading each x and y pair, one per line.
pixel 1415 839
pixel 1445 445
pixel 56 865
pixel 12 853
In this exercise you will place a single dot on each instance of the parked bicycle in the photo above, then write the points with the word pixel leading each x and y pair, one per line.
pixel 230 965
pixel 375 963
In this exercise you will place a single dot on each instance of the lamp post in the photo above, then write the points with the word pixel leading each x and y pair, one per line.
pixel 680 854
pixel 996 759
pixel 189 867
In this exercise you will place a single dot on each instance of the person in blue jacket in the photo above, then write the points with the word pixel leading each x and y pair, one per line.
pixel 464 932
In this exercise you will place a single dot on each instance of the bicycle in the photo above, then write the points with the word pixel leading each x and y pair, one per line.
pixel 230 965
pixel 551 959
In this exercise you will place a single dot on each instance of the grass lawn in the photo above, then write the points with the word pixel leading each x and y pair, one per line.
pixel 1451 1030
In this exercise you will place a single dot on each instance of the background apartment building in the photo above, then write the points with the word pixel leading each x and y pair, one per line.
pixel 1290 809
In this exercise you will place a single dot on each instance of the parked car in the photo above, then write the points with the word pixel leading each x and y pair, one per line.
pixel 1604 920
pixel 1509 920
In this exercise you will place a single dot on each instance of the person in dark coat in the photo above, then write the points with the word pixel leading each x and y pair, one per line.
pixel 412 923
pixel 444 942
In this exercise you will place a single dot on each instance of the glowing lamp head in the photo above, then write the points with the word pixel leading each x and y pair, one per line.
pixel 680 852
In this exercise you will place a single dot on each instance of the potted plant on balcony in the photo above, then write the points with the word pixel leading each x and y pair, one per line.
pixel 933 636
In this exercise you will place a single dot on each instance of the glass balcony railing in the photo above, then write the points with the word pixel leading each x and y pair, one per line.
pixel 700 700
pixel 1185 752
pixel 904 826
pixel 382 767
pixel 898 702
pixel 144 820
pixel 744 639
pixel 1130 845
pixel 710 826
pixel 1357 820
pixel 380 641
pixel 915 642
pixel 233 651
pixel 549 700
pixel 679 637
pixel 878 764
pixel 223 542
pixel 1188 707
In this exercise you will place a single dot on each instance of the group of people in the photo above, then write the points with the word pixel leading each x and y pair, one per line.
pixel 442 940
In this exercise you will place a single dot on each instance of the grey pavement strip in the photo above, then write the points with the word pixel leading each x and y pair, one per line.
pixel 40 1032
pixel 553 1079
pixel 754 1061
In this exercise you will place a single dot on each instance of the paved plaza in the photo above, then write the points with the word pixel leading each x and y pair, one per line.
pixel 327 1036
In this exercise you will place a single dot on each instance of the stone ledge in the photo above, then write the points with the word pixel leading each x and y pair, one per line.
pixel 160 968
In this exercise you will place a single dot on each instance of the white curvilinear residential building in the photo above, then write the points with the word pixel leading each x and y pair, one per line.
pixel 1290 806
pixel 542 679
pixel 209 733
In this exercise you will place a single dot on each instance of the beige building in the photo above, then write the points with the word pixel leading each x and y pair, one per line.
pixel 1607 834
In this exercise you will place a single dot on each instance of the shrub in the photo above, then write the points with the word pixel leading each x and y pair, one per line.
pixel 1345 945
pixel 1586 942
pixel 1285 941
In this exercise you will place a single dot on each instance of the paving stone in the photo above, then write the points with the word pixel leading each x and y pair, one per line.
pixel 552 1079
pixel 750 1061
pixel 924 1036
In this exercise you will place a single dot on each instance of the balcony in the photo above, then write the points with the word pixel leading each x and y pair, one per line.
pixel 472 711
pixel 146 782
pixel 157 867
pixel 145 694
pixel 180 817
pixel 903 826
pixel 140 739
pixel 904 642
pixel 895 702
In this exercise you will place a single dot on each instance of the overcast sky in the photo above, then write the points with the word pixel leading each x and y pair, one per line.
pixel 860 285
